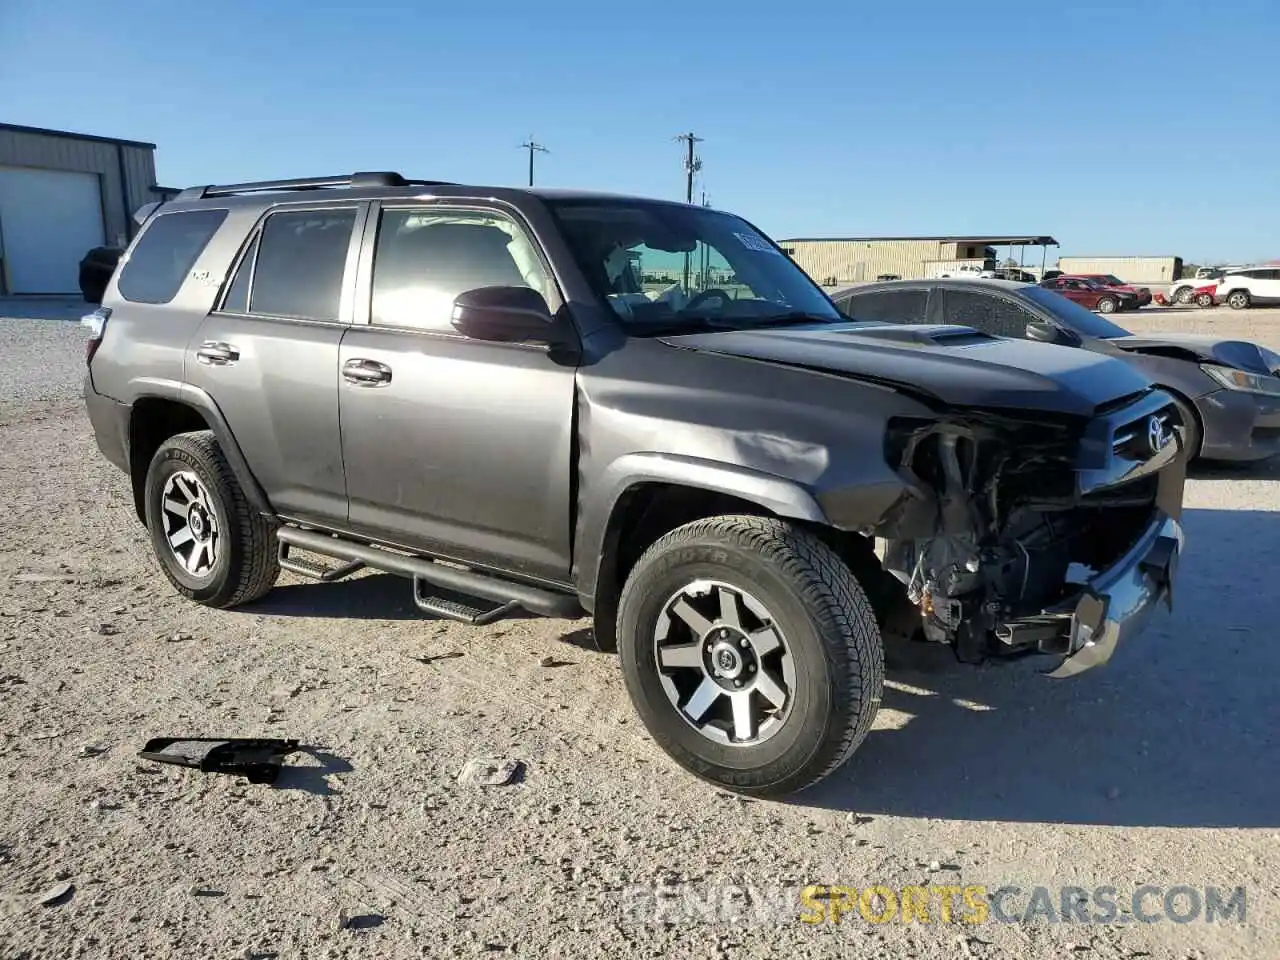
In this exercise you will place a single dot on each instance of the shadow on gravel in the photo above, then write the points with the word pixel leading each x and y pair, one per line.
pixel 1181 729
pixel 313 778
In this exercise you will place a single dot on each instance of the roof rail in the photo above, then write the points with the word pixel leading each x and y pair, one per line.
pixel 358 180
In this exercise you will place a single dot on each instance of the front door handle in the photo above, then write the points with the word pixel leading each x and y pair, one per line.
pixel 366 373
pixel 217 353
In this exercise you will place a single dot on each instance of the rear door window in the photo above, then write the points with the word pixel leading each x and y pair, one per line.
pixel 888 306
pixel 989 314
pixel 295 266
pixel 165 253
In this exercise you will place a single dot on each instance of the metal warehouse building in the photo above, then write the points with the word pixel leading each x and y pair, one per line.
pixel 61 194
pixel 846 260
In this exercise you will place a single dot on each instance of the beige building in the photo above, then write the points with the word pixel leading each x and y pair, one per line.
pixel 838 262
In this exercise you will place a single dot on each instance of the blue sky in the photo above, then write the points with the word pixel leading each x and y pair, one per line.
pixel 1087 120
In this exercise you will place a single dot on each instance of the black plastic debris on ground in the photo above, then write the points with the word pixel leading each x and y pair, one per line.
pixel 253 757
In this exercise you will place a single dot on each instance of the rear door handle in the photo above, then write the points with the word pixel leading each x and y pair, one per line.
pixel 217 353
pixel 366 373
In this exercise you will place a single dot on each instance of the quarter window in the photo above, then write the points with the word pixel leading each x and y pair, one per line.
pixel 426 257
pixel 165 254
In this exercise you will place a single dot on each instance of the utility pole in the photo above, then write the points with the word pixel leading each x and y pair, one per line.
pixel 691 166
pixel 533 148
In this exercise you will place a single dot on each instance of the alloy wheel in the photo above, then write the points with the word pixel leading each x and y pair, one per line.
pixel 190 523
pixel 724 663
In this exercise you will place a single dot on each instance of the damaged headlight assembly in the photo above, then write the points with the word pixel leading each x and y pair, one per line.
pixel 990 542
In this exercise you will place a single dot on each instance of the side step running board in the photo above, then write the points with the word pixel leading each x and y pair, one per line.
pixel 316 571
pixel 456 609
pixel 504 593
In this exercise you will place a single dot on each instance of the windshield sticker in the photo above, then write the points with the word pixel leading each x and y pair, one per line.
pixel 758 244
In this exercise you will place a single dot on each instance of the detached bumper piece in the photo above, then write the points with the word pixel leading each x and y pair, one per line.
pixel 1117 603
pixel 257 759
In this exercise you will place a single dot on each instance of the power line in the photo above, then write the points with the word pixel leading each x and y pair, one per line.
pixel 533 148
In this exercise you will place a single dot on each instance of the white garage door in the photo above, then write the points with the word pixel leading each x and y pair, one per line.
pixel 48 219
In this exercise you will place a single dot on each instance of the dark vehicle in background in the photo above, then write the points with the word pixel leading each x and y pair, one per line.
pixel 96 268
pixel 1111 280
pixel 1091 295
pixel 471 387
pixel 1227 390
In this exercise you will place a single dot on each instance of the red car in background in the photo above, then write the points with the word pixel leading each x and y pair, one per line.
pixel 1111 280
pixel 1092 295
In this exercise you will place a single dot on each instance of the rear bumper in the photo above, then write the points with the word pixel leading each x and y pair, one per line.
pixel 1239 426
pixel 1117 603
pixel 110 420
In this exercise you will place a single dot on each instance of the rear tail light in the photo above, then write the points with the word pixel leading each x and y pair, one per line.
pixel 96 322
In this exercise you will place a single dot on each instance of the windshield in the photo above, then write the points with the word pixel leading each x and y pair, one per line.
pixel 1073 316
pixel 663 266
pixel 1111 281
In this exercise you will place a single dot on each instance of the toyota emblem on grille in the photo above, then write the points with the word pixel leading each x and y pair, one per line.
pixel 1156 437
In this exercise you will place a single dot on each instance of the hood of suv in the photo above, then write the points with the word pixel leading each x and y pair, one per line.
pixel 956 365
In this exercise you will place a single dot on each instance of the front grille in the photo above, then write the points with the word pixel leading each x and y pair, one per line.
pixel 1134 440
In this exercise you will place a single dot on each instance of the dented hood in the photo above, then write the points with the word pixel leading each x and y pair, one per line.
pixel 956 365
pixel 1232 353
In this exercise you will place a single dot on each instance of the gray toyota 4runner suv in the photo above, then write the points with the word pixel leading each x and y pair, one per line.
pixel 563 402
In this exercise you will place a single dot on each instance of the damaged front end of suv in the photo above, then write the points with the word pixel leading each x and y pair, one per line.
pixel 1034 533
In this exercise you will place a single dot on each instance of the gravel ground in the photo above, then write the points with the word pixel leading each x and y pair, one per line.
pixel 1159 769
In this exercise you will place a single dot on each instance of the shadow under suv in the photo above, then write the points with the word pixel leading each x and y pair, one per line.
pixel 567 403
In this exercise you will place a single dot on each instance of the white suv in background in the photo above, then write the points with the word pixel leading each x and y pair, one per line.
pixel 1250 286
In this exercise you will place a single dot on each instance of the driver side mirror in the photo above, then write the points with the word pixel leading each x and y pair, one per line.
pixel 1044 332
pixel 503 315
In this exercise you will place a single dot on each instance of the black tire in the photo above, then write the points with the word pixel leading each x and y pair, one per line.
pixel 1183 294
pixel 1239 300
pixel 1195 433
pixel 1204 300
pixel 246 563
pixel 1108 305
pixel 829 628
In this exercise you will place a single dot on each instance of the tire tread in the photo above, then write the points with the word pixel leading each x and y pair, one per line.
pixel 842 614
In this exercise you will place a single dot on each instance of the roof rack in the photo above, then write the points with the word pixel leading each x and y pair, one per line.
pixel 357 180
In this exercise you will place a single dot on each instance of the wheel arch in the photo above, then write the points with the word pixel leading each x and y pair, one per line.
pixel 644 496
pixel 165 409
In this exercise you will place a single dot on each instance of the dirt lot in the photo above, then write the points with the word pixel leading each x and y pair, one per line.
pixel 1161 769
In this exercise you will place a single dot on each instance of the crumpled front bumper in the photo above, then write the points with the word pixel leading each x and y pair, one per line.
pixel 1117 603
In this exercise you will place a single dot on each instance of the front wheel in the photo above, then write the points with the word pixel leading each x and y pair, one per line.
pixel 750 652
pixel 1239 300
pixel 1107 305
pixel 1204 300
pixel 211 544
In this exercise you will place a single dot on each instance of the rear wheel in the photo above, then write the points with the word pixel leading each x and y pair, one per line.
pixel 1183 294
pixel 211 544
pixel 1204 300
pixel 1239 300
pixel 1107 305
pixel 751 653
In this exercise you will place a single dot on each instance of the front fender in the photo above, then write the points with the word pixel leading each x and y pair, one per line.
pixel 781 497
